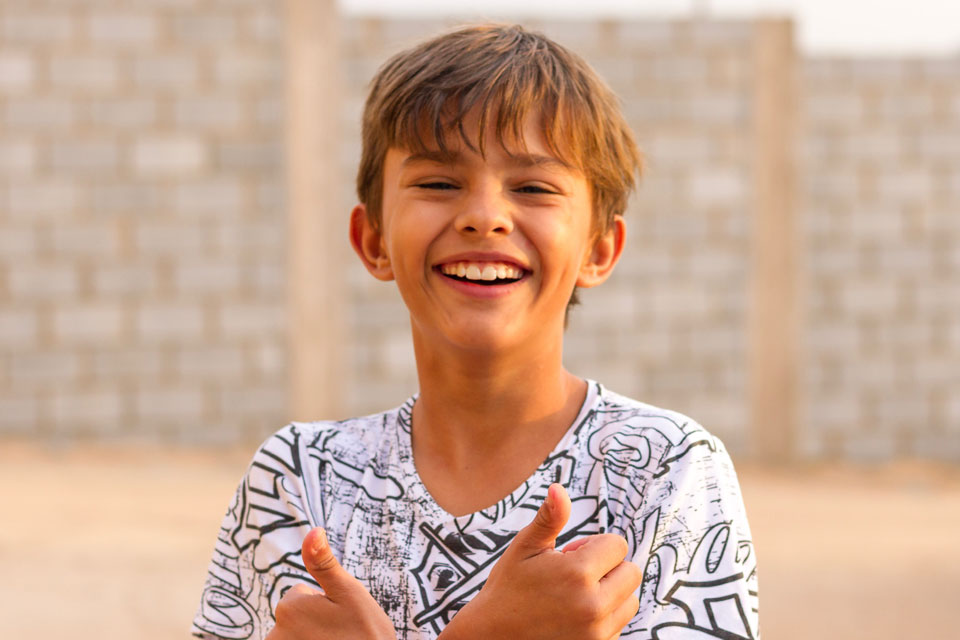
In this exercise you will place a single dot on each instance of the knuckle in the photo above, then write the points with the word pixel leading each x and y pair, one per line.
pixel 589 609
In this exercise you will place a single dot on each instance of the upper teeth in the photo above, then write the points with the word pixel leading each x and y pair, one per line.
pixel 481 270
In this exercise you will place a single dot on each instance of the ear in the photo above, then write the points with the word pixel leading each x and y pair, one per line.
pixel 599 262
pixel 367 241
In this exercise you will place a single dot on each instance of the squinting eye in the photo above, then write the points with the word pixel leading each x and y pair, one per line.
pixel 436 185
pixel 532 188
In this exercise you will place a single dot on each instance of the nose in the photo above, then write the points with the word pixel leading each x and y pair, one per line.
pixel 486 211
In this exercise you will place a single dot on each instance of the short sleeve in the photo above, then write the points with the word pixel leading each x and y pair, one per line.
pixel 257 552
pixel 695 548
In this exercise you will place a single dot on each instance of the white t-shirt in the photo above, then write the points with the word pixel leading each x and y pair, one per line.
pixel 653 476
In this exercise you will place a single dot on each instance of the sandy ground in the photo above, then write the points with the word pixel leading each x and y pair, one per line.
pixel 108 543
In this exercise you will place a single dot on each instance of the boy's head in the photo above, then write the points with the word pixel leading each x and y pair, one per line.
pixel 502 76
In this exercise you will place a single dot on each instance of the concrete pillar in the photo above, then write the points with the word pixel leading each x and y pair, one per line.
pixel 774 287
pixel 316 228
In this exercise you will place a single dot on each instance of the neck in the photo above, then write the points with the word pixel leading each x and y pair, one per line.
pixel 477 404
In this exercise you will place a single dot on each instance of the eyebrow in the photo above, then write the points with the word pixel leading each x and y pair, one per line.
pixel 520 159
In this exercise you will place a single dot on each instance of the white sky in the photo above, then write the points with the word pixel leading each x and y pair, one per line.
pixel 877 27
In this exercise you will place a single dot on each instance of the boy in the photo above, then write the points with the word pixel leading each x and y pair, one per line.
pixel 509 498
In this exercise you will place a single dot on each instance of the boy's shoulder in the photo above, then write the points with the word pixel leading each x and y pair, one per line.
pixel 619 426
pixel 352 439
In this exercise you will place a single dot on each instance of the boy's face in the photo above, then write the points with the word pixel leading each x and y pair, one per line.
pixel 486 250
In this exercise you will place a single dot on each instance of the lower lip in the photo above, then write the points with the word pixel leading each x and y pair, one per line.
pixel 482 290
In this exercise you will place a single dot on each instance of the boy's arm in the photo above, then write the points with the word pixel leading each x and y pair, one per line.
pixel 585 591
pixel 344 609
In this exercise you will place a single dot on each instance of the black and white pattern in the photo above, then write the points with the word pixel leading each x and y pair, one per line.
pixel 651 475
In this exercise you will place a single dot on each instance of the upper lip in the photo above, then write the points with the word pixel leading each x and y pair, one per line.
pixel 484 256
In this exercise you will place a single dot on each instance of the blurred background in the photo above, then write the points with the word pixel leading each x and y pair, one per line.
pixel 176 283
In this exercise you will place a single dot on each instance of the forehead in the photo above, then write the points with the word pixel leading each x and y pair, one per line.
pixel 526 136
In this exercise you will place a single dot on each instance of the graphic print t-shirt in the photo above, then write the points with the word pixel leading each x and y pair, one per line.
pixel 651 475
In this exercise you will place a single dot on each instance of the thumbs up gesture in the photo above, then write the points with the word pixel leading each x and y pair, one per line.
pixel 345 609
pixel 584 591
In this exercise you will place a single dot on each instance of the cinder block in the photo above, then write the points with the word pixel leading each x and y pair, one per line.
pixel 871 298
pixel 645 34
pixel 207 29
pixel 44 369
pixel 679 300
pixel 88 238
pixel 267 403
pixel 166 238
pixel 41 198
pixel 29 113
pixel 17 73
pixel 87 156
pixel 941 145
pixel 396 355
pixel 158 322
pixel 718 108
pixel 17 157
pixel 210 363
pixel 174 155
pixel 171 71
pixel 17 242
pixel 122 113
pixel 31 281
pixel 729 33
pixel 269 360
pixel 834 108
pixel 127 197
pixel 900 107
pixel 18 327
pixel 36 27
pixel 905 184
pixel 125 29
pixel 207 277
pixel 833 337
pixel 19 414
pixel 878 70
pixel 255 156
pixel 100 409
pixel 720 186
pixel 209 113
pixel 251 320
pixel 681 69
pixel 236 69
pixel 85 74
pixel 143 364
pixel 124 279
pixel 88 324
pixel 882 223
pixel 264 24
pixel 221 197
pixel 169 404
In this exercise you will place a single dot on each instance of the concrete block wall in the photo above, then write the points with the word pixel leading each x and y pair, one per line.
pixel 879 166
pixel 143 230
pixel 142 244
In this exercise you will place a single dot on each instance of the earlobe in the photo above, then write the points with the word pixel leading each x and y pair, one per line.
pixel 367 242
pixel 603 256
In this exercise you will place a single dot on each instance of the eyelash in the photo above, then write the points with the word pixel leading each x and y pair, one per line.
pixel 445 186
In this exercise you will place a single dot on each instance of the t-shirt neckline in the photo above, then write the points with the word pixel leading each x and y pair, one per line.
pixel 418 492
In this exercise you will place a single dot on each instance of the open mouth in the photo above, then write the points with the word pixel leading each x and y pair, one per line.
pixel 482 273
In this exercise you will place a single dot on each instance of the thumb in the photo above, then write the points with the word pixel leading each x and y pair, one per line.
pixel 319 560
pixel 547 524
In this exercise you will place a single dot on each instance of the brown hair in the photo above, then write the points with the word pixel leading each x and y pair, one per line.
pixel 506 74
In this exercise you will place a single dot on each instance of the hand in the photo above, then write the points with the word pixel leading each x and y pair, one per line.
pixel 345 609
pixel 585 591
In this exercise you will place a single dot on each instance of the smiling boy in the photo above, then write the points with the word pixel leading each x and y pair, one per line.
pixel 509 498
